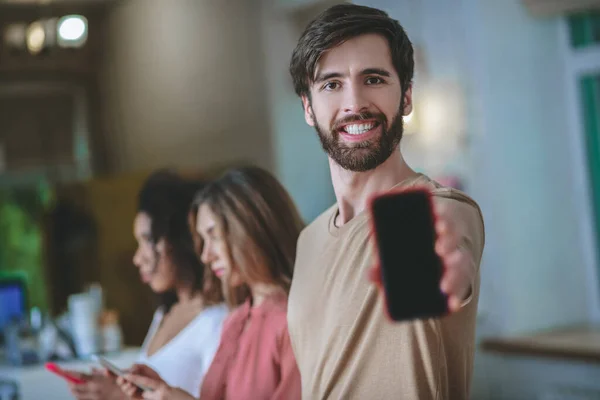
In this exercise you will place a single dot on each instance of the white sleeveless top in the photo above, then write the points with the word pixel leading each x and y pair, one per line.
pixel 183 361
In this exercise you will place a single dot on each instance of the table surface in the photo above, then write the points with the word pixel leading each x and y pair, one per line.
pixel 573 343
pixel 36 383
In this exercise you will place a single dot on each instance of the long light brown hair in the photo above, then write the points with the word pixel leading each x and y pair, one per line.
pixel 211 287
pixel 260 223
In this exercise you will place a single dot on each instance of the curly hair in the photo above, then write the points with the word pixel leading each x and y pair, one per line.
pixel 166 198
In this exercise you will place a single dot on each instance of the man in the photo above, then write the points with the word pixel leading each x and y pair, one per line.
pixel 353 68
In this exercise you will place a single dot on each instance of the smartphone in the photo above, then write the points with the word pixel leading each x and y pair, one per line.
pixel 116 370
pixel 403 225
pixel 69 376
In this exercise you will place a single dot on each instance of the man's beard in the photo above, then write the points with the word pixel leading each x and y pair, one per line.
pixel 367 155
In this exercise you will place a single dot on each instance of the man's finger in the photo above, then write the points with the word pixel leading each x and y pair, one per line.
pixel 453 281
pixel 446 243
pixel 374 275
pixel 443 222
pixel 454 303
pixel 440 209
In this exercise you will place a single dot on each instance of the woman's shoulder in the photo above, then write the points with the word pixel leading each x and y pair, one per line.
pixel 211 317
pixel 274 313
pixel 277 308
pixel 159 313
pixel 205 328
pixel 215 312
pixel 239 313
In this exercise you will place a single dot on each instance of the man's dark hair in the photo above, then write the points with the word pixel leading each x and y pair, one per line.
pixel 166 198
pixel 340 23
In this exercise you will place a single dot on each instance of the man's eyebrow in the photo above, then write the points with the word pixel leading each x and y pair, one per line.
pixel 326 76
pixel 375 71
pixel 321 77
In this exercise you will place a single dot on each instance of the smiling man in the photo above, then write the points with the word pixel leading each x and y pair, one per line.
pixel 353 69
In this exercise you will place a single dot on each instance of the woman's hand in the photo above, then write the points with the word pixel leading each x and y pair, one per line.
pixel 99 385
pixel 145 376
pixel 134 374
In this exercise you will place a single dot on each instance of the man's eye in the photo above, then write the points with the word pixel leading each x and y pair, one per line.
pixel 373 80
pixel 331 86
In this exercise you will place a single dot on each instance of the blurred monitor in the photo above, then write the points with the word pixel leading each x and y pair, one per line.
pixel 13 302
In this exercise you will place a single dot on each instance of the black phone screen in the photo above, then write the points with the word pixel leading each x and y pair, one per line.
pixel 404 228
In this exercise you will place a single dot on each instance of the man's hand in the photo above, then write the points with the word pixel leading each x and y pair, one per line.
pixel 456 259
pixel 457 277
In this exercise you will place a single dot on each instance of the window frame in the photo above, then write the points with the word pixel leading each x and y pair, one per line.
pixel 581 61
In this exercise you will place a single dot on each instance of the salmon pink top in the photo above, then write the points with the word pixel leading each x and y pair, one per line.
pixel 255 358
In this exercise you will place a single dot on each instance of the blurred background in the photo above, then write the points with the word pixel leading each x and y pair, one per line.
pixel 95 94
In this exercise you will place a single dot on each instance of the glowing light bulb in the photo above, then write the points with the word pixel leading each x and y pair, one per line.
pixel 72 30
pixel 36 37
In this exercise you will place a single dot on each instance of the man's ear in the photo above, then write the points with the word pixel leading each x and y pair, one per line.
pixel 408 104
pixel 308 114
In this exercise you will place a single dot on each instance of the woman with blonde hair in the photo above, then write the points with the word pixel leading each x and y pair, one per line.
pixel 249 226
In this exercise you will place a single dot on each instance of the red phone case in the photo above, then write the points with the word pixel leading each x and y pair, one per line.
pixel 64 374
pixel 373 232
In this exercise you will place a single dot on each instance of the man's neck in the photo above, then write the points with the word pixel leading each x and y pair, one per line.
pixel 353 189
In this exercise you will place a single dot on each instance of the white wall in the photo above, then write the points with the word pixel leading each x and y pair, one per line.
pixel 528 172
pixel 579 63
pixel 300 162
pixel 183 84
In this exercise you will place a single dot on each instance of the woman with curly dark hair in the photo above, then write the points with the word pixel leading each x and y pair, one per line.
pixel 185 332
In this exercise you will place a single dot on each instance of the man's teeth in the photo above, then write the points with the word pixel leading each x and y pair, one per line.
pixel 357 129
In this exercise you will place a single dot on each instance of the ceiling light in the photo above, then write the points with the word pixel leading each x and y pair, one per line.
pixel 72 31
pixel 36 37
pixel 14 36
